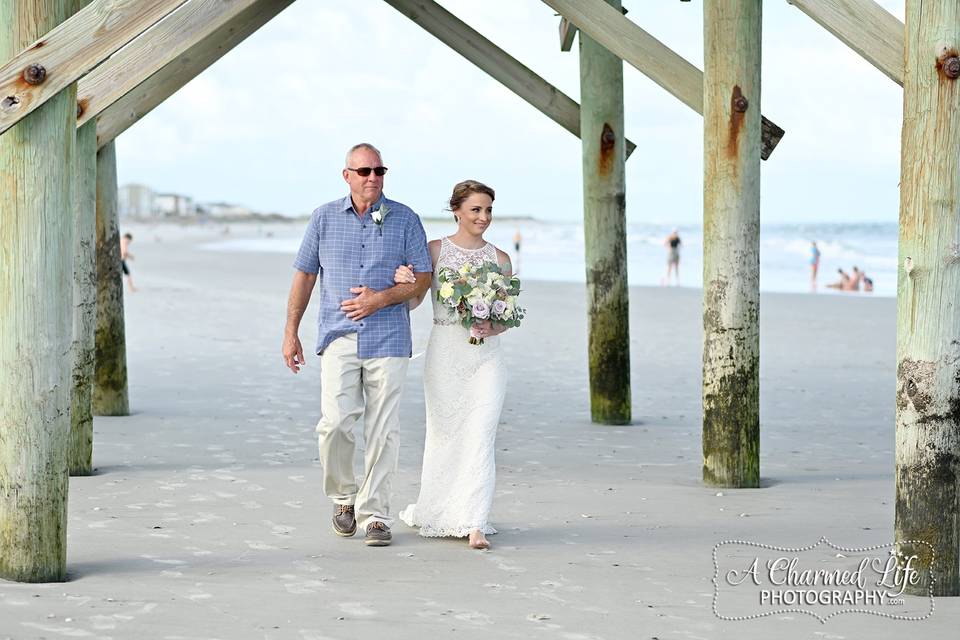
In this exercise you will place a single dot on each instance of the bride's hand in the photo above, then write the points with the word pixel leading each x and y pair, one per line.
pixel 487 329
pixel 404 275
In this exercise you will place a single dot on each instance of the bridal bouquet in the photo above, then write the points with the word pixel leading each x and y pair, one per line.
pixel 480 293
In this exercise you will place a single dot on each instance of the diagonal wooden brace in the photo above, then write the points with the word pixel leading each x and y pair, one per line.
pixel 651 57
pixel 72 49
pixel 500 65
pixel 214 42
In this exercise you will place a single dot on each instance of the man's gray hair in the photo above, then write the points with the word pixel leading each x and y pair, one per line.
pixel 362 145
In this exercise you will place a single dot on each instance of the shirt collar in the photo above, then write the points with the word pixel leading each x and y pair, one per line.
pixel 348 204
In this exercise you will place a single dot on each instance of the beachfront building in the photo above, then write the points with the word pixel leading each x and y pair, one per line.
pixel 173 205
pixel 224 210
pixel 135 200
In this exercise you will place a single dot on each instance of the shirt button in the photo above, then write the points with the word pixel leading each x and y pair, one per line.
pixel 362 246
pixel 361 266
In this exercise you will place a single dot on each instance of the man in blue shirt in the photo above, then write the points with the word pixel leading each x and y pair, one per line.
pixel 353 246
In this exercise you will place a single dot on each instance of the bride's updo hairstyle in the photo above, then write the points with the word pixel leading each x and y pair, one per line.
pixel 464 190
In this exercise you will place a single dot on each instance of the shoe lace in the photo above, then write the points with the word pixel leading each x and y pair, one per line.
pixel 378 525
pixel 344 508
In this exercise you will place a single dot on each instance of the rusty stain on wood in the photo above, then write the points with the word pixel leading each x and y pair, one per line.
pixel 736 122
pixel 948 65
pixel 608 141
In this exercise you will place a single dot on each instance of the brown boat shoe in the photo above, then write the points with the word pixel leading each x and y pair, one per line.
pixel 344 520
pixel 378 534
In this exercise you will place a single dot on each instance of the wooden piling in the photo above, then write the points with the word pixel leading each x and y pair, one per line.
pixel 80 450
pixel 928 300
pixel 36 286
pixel 110 368
pixel 731 243
pixel 604 216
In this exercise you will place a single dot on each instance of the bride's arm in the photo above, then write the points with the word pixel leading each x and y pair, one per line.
pixel 404 274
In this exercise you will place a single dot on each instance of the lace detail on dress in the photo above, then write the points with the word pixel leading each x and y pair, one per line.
pixel 454 256
pixel 464 389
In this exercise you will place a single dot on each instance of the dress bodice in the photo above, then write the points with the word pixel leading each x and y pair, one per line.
pixel 454 256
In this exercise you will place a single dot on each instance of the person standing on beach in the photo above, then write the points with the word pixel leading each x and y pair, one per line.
pixel 814 264
pixel 672 243
pixel 517 239
pixel 125 255
pixel 352 246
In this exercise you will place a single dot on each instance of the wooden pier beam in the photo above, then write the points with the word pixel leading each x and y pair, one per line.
pixel 928 299
pixel 110 368
pixel 157 48
pixel 496 62
pixel 54 59
pixel 80 449
pixel 604 223
pixel 118 116
pixel 731 243
pixel 649 56
pixel 36 304
pixel 865 27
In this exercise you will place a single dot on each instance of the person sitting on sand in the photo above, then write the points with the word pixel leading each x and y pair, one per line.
pixel 854 283
pixel 843 283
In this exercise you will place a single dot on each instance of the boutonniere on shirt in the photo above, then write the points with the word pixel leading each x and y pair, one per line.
pixel 379 215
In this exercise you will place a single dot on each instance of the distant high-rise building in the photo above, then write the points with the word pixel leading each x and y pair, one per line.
pixel 135 200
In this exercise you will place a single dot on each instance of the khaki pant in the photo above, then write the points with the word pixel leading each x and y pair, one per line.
pixel 351 388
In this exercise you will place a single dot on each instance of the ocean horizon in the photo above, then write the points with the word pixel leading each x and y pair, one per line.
pixel 554 251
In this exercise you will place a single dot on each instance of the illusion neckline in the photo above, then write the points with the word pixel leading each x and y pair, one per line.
pixel 481 248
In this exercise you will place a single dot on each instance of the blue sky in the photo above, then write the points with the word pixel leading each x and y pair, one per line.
pixel 267 126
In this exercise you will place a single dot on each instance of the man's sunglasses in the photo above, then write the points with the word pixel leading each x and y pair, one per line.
pixel 363 172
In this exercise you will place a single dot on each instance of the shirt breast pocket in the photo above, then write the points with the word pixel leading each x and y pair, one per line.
pixel 391 248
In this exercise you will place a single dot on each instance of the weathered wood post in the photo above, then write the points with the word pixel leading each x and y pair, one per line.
pixel 731 243
pixel 110 367
pixel 36 286
pixel 928 298
pixel 604 227
pixel 80 450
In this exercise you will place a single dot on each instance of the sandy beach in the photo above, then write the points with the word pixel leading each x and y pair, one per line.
pixel 205 517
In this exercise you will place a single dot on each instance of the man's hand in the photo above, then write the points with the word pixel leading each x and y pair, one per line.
pixel 293 352
pixel 365 304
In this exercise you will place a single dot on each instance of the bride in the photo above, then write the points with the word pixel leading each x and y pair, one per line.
pixel 464 387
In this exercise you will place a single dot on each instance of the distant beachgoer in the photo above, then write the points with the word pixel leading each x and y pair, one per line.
pixel 125 255
pixel 843 284
pixel 517 239
pixel 854 283
pixel 814 264
pixel 672 243
pixel 867 284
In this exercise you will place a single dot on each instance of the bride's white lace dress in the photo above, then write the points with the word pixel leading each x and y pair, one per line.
pixel 464 388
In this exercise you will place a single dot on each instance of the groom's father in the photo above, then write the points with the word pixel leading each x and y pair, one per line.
pixel 353 246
